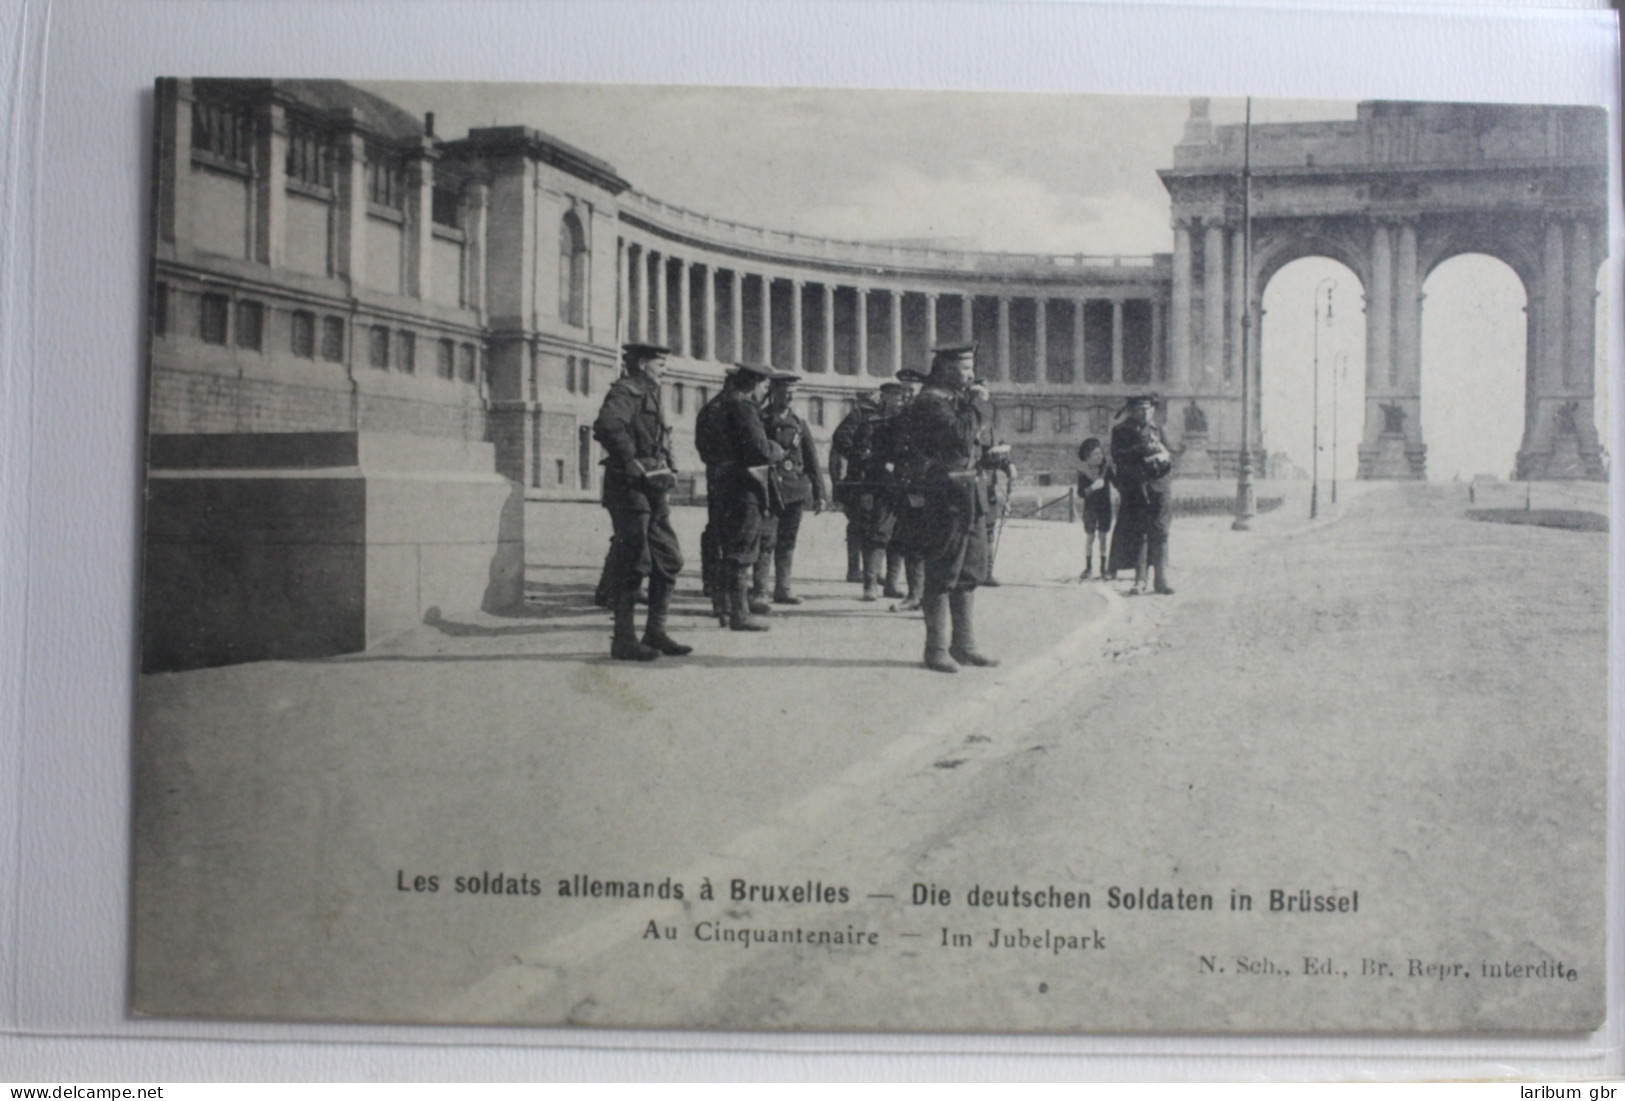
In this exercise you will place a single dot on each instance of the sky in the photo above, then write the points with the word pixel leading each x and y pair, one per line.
pixel 1025 173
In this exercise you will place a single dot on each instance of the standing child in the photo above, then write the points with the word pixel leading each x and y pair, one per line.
pixel 1094 488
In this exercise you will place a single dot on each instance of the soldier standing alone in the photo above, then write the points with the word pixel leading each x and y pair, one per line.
pixel 638 473
pixel 1141 464
pixel 946 466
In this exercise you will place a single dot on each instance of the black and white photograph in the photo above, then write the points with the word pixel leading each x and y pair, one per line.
pixel 810 559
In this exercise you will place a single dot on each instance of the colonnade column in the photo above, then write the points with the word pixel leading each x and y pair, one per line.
pixel 685 312
pixel 1002 371
pixel 736 314
pixel 798 336
pixel 765 320
pixel 967 318
pixel 1077 339
pixel 1117 340
pixel 1213 296
pixel 708 312
pixel 624 322
pixel 1040 339
pixel 862 326
pixel 637 281
pixel 1179 335
pixel 1159 361
pixel 479 206
pixel 662 333
pixel 351 231
pixel 829 328
pixel 930 324
pixel 896 331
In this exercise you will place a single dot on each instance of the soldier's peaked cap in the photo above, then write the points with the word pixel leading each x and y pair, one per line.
pixel 1145 399
pixel 891 387
pixel 753 371
pixel 909 374
pixel 643 351
pixel 952 351
pixel 784 378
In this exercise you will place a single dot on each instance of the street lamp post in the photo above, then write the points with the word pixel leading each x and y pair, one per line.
pixel 1339 365
pixel 1245 509
pixel 1314 447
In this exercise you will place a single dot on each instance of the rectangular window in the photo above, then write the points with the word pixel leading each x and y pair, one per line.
pixel 302 335
pixel 386 179
pixel 250 325
pixel 677 397
pixel 223 133
pixel 333 339
pixel 1063 418
pixel 586 377
pixel 445 359
pixel 446 207
pixel 378 347
pixel 213 318
pixel 815 411
pixel 570 374
pixel 408 353
pixel 1025 418
pixel 160 309
pixel 701 397
pixel 311 154
pixel 470 364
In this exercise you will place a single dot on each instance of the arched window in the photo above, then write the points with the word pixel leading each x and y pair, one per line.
pixel 572 271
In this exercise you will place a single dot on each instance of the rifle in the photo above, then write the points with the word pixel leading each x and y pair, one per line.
pixel 1004 514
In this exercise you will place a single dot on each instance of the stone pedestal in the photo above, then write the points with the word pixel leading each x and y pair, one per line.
pixel 1392 456
pixel 301 545
pixel 1193 459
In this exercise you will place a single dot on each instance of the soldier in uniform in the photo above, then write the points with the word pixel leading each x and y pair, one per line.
pixel 1141 465
pixel 948 467
pixel 638 473
pixel 901 555
pixel 847 487
pixel 741 488
pixel 797 478
pixel 712 450
pixel 862 442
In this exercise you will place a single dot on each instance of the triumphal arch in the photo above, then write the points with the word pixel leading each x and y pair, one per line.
pixel 1392 194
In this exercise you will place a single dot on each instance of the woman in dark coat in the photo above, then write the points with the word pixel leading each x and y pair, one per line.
pixel 1142 465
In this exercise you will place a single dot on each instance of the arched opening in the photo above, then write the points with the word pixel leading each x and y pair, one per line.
pixel 1474 336
pixel 1313 326
pixel 572 270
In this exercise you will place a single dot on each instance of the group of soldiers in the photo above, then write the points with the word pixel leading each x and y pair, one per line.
pixel 912 469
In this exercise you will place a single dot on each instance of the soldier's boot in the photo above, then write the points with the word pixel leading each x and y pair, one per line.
pixel 962 609
pixel 708 581
pixel 937 657
pixel 625 646
pixel 914 569
pixel 784 560
pixel 1088 567
pixel 1159 571
pixel 739 612
pixel 1138 588
pixel 605 593
pixel 654 628
pixel 758 584
pixel 854 558
pixel 874 561
pixel 894 574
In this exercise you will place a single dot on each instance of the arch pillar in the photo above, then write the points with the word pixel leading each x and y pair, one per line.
pixel 1391 443
pixel 1179 308
pixel 1560 435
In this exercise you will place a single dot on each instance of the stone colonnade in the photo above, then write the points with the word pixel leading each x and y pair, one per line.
pixel 726 311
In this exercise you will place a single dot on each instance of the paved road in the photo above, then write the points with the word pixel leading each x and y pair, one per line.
pixel 1398 701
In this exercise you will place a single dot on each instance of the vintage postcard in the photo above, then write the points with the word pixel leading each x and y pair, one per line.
pixel 723 558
